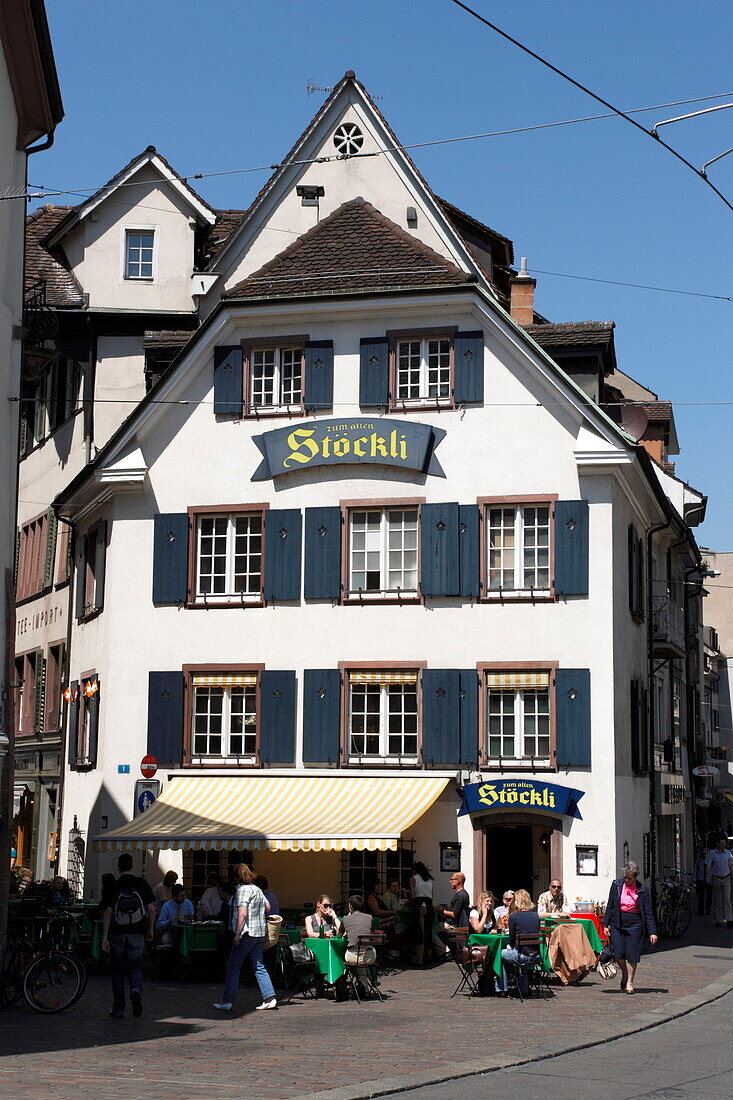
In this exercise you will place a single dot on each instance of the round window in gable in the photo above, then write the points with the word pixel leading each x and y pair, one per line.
pixel 348 138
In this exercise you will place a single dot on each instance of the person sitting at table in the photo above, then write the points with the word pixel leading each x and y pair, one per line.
pixel 392 896
pixel 264 885
pixel 178 909
pixel 162 892
pixel 372 903
pixel 481 917
pixel 524 921
pixel 324 921
pixel 58 896
pixel 210 903
pixel 501 913
pixel 357 922
pixel 553 901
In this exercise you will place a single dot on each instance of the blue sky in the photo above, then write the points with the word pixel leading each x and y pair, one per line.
pixel 222 85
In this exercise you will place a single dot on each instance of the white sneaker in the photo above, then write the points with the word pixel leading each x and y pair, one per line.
pixel 224 1006
pixel 272 1003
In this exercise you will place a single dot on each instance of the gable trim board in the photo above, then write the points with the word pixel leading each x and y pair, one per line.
pixel 220 327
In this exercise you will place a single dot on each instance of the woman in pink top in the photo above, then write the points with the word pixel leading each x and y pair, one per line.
pixel 628 918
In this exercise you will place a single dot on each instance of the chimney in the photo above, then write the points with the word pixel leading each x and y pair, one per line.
pixel 521 302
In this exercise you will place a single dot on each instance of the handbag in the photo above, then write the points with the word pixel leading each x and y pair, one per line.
pixel 606 965
pixel 272 935
pixel 302 954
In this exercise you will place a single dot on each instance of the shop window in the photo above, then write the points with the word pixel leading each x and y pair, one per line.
pixel 383 719
pixel 229 557
pixel 422 371
pixel 518 543
pixel 274 378
pixel 383 546
pixel 360 869
pixel 224 718
pixel 518 726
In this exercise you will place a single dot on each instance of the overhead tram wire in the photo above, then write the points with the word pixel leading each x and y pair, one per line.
pixel 427 407
pixel 599 99
pixel 43 192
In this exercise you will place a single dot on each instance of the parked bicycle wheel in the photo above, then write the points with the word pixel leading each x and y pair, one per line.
pixel 53 982
pixel 679 919
pixel 11 979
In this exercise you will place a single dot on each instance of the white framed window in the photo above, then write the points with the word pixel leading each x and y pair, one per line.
pixel 139 253
pixel 383 717
pixel 229 557
pixel 518 548
pixel 383 551
pixel 422 369
pixel 276 378
pixel 224 717
pixel 518 717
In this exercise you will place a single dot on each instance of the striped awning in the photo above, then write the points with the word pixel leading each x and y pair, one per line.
pixel 383 677
pixel 292 813
pixel 224 679
pixel 515 681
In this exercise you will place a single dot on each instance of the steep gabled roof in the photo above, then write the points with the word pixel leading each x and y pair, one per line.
pixel 355 248
pixel 227 223
pixel 150 155
pixel 63 290
pixel 572 333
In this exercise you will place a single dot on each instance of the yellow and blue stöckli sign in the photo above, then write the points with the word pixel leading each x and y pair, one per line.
pixel 520 794
pixel 404 443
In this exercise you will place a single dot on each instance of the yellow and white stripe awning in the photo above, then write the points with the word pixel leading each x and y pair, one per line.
pixel 516 681
pixel 409 677
pixel 292 813
pixel 224 679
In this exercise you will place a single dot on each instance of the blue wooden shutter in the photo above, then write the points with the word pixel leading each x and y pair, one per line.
pixel 572 717
pixel 94 705
pixel 468 685
pixel 374 371
pixel 277 718
pixel 81 578
pixel 283 536
pixel 170 557
pixel 228 380
pixel 468 368
pixel 635 725
pixel 321 716
pixel 469 571
pixel 439 574
pixel 571 547
pixel 100 565
pixel 441 718
pixel 165 717
pixel 72 722
pixel 322 553
pixel 318 384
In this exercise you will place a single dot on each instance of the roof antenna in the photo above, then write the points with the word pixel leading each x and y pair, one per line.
pixel 311 88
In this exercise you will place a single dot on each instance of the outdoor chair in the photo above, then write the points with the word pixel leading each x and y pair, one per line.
pixel 298 977
pixel 529 945
pixel 364 972
pixel 462 957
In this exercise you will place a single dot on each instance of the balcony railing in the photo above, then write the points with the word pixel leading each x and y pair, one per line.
pixel 39 320
pixel 668 625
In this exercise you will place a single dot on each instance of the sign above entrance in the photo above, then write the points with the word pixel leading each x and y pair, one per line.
pixel 375 441
pixel 521 794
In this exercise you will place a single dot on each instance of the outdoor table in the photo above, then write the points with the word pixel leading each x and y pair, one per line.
pixel 330 957
pixel 588 925
pixel 192 937
pixel 496 942
pixel 595 921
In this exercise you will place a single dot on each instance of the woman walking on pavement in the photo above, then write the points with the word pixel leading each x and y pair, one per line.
pixel 249 925
pixel 630 918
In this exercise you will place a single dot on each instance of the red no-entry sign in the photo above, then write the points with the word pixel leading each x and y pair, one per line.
pixel 148 766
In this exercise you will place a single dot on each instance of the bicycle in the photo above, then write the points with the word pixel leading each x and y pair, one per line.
pixel 49 977
pixel 674 905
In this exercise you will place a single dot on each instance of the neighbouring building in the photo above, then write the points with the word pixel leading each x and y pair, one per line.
pixel 714 793
pixel 378 563
pixel 30 110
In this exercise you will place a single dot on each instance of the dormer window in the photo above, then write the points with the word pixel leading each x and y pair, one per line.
pixel 139 250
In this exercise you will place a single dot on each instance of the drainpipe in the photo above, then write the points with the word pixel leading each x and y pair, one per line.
pixel 652 705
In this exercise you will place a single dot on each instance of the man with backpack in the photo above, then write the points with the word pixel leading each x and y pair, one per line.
pixel 129 918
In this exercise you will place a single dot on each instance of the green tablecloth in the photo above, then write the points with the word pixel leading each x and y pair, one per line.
pixel 195 937
pixel 330 957
pixel 496 942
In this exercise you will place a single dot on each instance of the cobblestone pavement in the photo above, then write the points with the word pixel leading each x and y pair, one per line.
pixel 181 1047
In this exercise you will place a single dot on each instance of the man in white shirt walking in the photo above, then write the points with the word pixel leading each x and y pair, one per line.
pixel 719 868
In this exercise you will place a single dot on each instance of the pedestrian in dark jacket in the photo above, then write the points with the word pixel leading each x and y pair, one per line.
pixel 629 918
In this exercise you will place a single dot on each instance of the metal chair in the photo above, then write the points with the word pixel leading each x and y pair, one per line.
pixel 364 971
pixel 461 955
pixel 528 945
pixel 298 977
